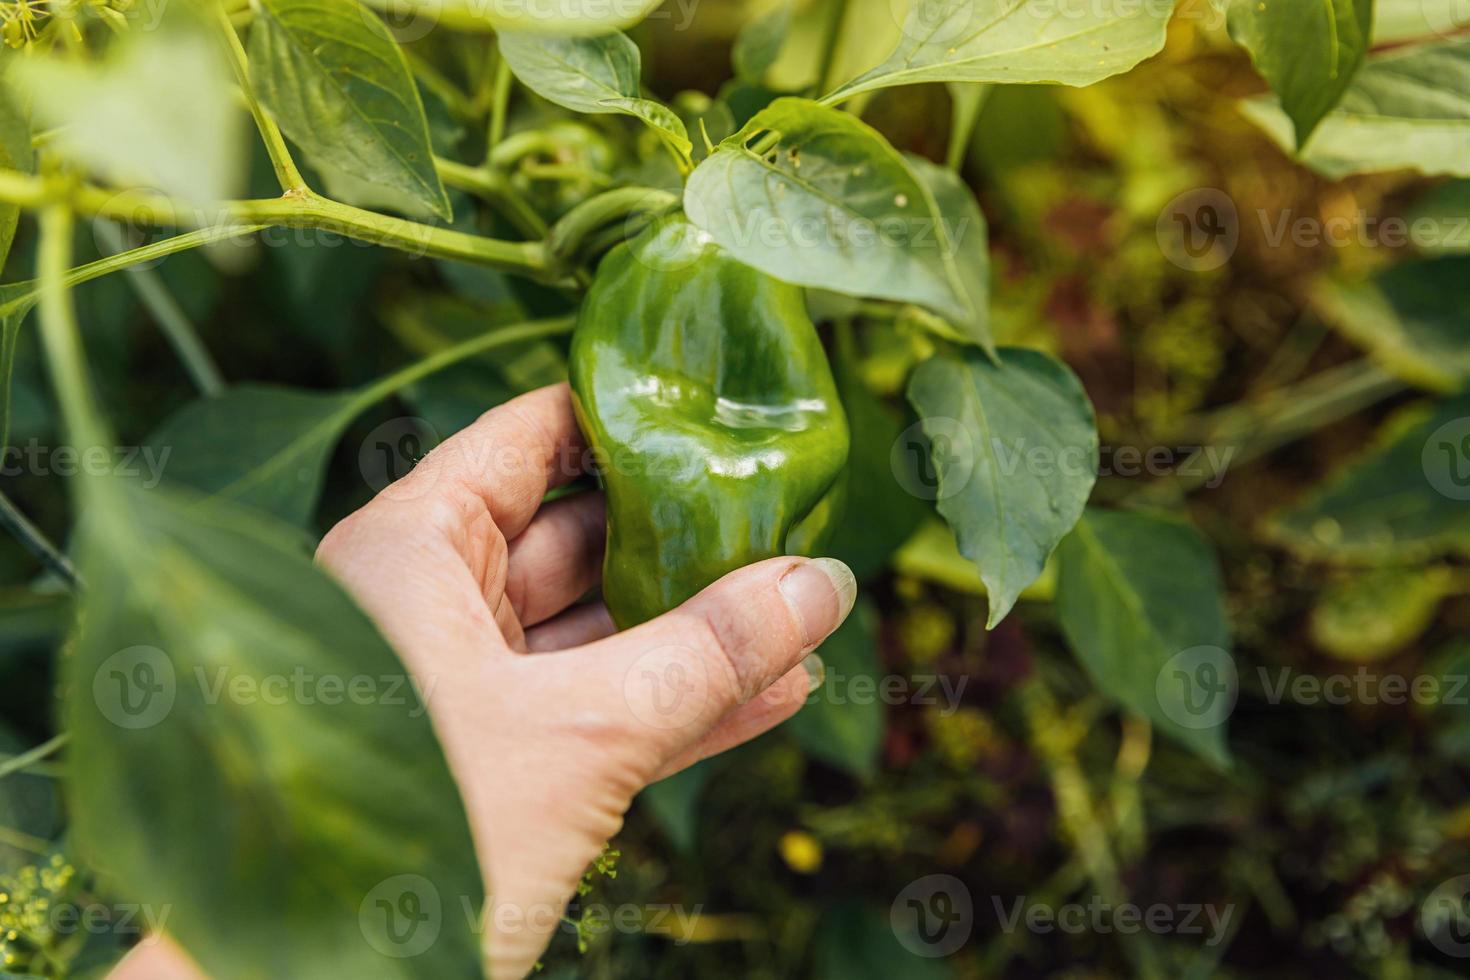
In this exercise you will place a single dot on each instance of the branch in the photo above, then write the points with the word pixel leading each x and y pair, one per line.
pixel 275 144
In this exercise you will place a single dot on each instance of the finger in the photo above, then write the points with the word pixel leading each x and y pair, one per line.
pixel 557 559
pixel 682 672
pixel 581 624
pixel 156 958
pixel 777 703
pixel 505 461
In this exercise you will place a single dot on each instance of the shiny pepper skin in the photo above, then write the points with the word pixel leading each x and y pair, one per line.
pixel 705 393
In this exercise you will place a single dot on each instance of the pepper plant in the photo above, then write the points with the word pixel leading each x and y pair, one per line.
pixel 711 261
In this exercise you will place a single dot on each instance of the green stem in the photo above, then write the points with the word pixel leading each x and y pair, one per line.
pixel 275 144
pixel 171 318
pixel 31 538
pixel 10 837
pixel 300 209
pixel 29 758
pixel 830 43
pixel 499 102
pixel 441 359
pixel 60 335
pixel 493 187
pixel 568 234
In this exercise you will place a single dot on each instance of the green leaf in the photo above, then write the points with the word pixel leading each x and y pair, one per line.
pixel 158 111
pixel 674 803
pixel 1308 52
pixel 1404 500
pixel 198 757
pixel 815 197
pixel 758 44
pixel 1015 455
pixel 1134 593
pixel 1410 316
pixel 854 942
pixel 1006 41
pixel 594 75
pixel 1405 109
pixel 838 724
pixel 15 154
pixel 275 459
pixel 581 18
pixel 340 88
pixel 968 244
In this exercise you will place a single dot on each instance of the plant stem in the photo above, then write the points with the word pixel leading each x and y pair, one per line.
pixel 28 758
pixel 10 837
pixel 437 361
pixel 493 187
pixel 831 41
pixel 568 234
pixel 59 333
pixel 171 318
pixel 31 538
pixel 300 209
pixel 275 144
pixel 499 101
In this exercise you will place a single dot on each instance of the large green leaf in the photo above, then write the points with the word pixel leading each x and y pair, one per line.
pixel 1411 316
pixel 1016 41
pixel 1404 500
pixel 1307 51
pixel 158 111
pixel 1404 109
pixel 816 197
pixel 339 86
pixel 1141 603
pixel 1015 455
pixel 275 458
pixel 842 723
pixel 966 239
pixel 235 718
pixel 591 74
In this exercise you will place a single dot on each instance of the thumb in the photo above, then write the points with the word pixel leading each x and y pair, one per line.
pixel 681 673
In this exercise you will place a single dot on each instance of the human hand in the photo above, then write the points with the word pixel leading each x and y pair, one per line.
pixel 550 722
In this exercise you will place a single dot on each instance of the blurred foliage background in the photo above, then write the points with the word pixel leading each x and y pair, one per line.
pixel 1336 822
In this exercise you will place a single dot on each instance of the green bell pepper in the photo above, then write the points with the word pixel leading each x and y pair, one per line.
pixel 706 396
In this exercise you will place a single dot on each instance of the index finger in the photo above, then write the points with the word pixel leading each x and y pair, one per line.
pixel 507 459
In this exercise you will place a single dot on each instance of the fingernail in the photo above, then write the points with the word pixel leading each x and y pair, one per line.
pixel 816 672
pixel 820 593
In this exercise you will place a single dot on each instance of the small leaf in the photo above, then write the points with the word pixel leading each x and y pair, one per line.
pixel 1404 500
pixel 836 725
pixel 1410 316
pixel 135 121
pixel 1308 52
pixel 1406 109
pixel 758 44
pixel 236 718
pixel 967 243
pixel 275 459
pixel 1376 613
pixel 831 205
pixel 594 75
pixel 1134 594
pixel 1016 42
pixel 674 803
pixel 340 88
pixel 1015 455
